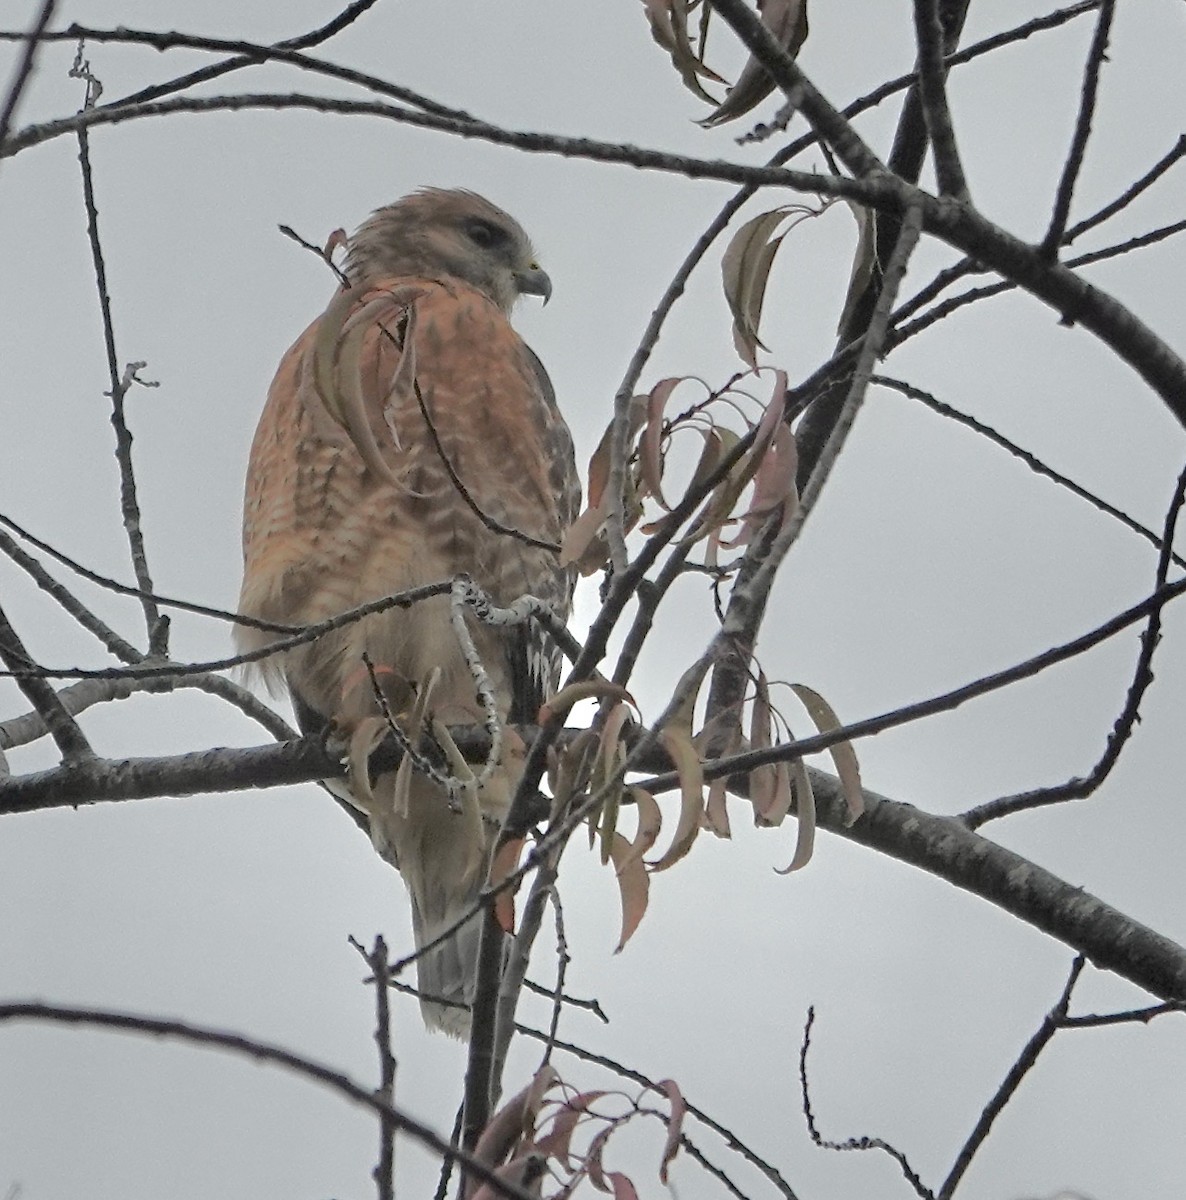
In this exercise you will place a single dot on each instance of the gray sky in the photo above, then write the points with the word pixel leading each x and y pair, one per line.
pixel 933 558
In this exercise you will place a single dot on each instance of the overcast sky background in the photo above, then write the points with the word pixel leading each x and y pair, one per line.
pixel 933 558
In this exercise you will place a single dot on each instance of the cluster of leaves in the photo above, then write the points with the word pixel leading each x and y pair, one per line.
pixel 744 475
pixel 550 1131
pixel 671 27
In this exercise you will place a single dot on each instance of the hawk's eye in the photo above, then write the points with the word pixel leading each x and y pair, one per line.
pixel 483 234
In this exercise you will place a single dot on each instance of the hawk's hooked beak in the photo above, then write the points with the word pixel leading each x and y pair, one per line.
pixel 534 282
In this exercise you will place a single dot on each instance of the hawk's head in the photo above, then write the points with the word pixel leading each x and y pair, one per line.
pixel 456 233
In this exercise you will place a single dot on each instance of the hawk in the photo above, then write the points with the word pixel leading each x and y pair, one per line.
pixel 410 436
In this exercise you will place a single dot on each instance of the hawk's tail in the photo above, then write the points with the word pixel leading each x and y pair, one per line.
pixel 443 856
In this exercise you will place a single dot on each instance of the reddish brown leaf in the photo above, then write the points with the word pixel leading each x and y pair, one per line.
pixel 511 1123
pixel 650 447
pixel 675 1124
pixel 602 1180
pixel 556 1143
pixel 506 863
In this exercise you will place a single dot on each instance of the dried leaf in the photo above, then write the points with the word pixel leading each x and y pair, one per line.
pixel 781 799
pixel 504 864
pixel 600 459
pixel 675 1124
pixel 650 448
pixel 669 27
pixel 745 267
pixel 602 1180
pixel 678 744
pixel 716 812
pixel 556 1143
pixel 805 806
pixel 762 782
pixel 864 260
pixel 526 1171
pixel 843 754
pixel 634 886
pixel 787 21
pixel 577 546
pixel 774 487
pixel 511 1123
pixel 587 689
pixel 650 822
pixel 335 240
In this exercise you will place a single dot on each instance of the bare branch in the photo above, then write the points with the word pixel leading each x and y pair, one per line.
pixel 853 1143
pixel 158 630
pixel 1031 460
pixel 932 72
pixel 1096 57
pixel 118 646
pixel 61 725
pixel 1012 1081
pixel 259 1051
pixel 315 37
pixel 376 959
pixel 1122 729
pixel 24 68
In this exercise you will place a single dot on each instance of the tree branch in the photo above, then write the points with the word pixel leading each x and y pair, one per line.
pixel 1096 57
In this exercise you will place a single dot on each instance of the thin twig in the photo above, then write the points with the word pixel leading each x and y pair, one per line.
pixel 61 725
pixel 1130 193
pixel 121 383
pixel 125 589
pixel 853 1143
pixel 259 1051
pixel 121 648
pixel 315 37
pixel 1125 723
pixel 731 1140
pixel 376 959
pixel 1132 1016
pixel 1012 1081
pixel 24 69
pixel 738 763
pixel 562 961
pixel 1030 459
pixel 1096 56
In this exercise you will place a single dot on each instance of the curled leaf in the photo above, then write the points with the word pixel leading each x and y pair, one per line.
pixel 668 20
pixel 675 1123
pixel 650 448
pixel 650 822
pixel 745 267
pixel 805 810
pixel 587 689
pixel 843 754
pixel 678 744
pixel 512 1123
pixel 787 21
pixel 634 887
